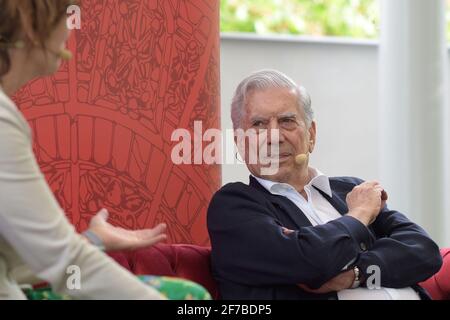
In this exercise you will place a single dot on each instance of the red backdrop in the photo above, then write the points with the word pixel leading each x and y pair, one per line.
pixel 102 124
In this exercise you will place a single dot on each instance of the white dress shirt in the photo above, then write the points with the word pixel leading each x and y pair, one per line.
pixel 316 208
pixel 319 211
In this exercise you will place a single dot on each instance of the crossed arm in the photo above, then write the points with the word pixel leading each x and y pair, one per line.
pixel 250 247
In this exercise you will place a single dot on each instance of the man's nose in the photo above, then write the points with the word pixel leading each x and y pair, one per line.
pixel 273 124
pixel 274 133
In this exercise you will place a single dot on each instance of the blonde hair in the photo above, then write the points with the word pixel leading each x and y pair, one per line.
pixel 40 16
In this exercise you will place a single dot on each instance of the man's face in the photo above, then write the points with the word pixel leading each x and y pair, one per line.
pixel 277 108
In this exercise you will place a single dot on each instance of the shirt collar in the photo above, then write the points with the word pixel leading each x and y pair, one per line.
pixel 318 180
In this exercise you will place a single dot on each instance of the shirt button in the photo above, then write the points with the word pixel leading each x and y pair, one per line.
pixel 363 246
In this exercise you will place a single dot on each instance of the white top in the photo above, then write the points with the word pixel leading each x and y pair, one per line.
pixel 319 211
pixel 35 235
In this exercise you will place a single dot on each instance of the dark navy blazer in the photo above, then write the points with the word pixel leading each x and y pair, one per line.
pixel 253 259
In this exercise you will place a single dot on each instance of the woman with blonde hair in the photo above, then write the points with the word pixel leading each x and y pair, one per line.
pixel 34 232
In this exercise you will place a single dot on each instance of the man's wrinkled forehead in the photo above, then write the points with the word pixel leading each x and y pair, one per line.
pixel 272 102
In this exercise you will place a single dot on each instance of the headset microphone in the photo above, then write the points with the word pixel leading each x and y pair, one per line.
pixel 301 158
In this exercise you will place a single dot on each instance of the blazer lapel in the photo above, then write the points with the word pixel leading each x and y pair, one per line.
pixel 335 200
pixel 339 203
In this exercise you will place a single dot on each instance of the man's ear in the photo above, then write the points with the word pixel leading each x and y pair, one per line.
pixel 238 144
pixel 312 136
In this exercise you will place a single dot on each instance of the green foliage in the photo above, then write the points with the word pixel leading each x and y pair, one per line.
pixel 348 18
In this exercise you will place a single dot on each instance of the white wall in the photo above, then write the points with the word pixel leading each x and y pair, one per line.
pixel 341 77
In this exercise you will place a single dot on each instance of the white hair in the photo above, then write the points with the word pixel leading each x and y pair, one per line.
pixel 265 79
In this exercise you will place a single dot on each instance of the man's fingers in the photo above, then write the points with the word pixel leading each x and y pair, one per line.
pixel 286 231
pixel 383 193
pixel 323 289
pixel 377 186
pixel 306 288
pixel 371 183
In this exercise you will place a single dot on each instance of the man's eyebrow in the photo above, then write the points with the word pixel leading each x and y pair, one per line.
pixel 287 115
pixel 257 118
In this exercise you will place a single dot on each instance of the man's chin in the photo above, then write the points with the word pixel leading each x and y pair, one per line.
pixel 273 173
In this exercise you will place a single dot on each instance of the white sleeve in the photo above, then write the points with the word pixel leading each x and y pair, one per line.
pixel 33 223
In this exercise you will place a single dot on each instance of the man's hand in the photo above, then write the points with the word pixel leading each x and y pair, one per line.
pixel 342 281
pixel 365 201
pixel 116 238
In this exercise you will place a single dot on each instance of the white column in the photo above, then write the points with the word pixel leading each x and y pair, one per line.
pixel 413 85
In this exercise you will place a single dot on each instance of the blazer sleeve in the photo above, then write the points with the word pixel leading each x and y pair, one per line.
pixel 249 247
pixel 403 251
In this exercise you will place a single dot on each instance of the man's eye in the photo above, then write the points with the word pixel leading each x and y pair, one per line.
pixel 257 124
pixel 288 123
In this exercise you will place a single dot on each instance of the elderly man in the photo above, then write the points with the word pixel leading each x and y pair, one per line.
pixel 298 234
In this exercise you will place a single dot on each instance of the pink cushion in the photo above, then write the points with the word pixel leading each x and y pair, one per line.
pixel 438 286
pixel 186 261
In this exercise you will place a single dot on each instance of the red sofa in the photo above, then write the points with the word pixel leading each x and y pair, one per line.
pixel 193 263
pixel 438 286
pixel 179 260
